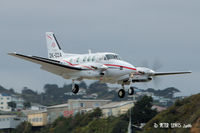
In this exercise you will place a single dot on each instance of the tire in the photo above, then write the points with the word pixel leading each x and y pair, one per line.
pixel 121 93
pixel 75 89
pixel 131 91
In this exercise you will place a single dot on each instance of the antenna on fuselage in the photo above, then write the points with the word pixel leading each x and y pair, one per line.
pixel 89 51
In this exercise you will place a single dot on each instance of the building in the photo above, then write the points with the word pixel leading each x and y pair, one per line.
pixel 6 98
pixel 158 108
pixel 19 102
pixel 82 105
pixel 56 111
pixel 36 106
pixel 37 118
pixel 8 122
pixel 116 108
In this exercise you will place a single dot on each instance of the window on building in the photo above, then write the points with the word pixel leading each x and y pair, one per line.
pixel 96 104
pixel 82 104
pixel 8 98
pixel 40 119
pixel 1 102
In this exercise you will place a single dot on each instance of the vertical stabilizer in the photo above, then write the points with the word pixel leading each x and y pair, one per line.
pixel 54 50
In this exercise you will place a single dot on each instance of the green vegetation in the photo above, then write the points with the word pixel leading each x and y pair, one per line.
pixel 166 93
pixel 81 123
pixel 186 111
pixel 93 122
pixel 142 111
pixel 53 94
pixel 24 127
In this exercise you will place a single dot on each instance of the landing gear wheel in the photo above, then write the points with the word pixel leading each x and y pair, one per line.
pixel 75 89
pixel 121 93
pixel 131 91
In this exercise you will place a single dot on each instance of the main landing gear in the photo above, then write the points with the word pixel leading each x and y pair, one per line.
pixel 121 92
pixel 75 87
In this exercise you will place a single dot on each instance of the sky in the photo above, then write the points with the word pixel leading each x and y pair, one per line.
pixel 140 31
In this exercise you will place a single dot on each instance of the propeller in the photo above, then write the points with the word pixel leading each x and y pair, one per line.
pixel 155 66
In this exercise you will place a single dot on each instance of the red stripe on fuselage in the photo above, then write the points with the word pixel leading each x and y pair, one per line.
pixel 120 66
pixel 77 64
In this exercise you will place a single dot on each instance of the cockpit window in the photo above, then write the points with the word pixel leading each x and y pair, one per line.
pixel 112 56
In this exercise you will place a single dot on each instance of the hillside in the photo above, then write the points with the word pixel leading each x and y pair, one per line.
pixel 186 111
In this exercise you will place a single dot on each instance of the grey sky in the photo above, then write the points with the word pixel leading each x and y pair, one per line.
pixel 168 31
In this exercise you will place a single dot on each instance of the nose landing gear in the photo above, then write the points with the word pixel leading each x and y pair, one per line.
pixel 121 92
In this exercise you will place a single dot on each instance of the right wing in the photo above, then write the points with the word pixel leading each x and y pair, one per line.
pixel 49 65
pixel 170 73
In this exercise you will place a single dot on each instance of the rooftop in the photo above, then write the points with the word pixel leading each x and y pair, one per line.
pixel 8 116
pixel 88 100
pixel 116 104
pixel 58 106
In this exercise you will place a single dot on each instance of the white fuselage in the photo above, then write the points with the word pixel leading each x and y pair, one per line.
pixel 96 64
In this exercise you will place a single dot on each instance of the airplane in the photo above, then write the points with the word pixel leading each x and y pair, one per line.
pixel 106 67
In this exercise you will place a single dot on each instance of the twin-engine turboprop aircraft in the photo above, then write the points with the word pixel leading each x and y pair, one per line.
pixel 106 67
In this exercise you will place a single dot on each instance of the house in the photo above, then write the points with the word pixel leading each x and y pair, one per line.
pixel 116 108
pixel 158 108
pixel 37 118
pixel 6 98
pixel 36 106
pixel 82 105
pixel 53 112
pixel 9 122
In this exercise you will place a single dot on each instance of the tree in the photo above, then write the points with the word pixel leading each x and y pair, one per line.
pixel 27 105
pixel 142 111
pixel 12 105
pixel 97 113
pixel 24 127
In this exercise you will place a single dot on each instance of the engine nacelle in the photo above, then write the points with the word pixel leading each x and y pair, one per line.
pixel 142 80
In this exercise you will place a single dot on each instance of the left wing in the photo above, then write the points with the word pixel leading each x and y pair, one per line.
pixel 170 73
pixel 49 65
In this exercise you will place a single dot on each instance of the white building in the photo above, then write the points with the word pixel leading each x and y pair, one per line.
pixel 6 98
pixel 8 122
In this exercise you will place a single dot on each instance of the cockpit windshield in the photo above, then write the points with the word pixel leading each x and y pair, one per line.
pixel 112 56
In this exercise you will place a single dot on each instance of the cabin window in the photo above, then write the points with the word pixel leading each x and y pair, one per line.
pixel 112 56
pixel 77 60
pixel 84 59
pixel 89 58
pixel 93 58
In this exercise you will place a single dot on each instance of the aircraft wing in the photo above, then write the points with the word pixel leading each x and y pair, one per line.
pixel 49 65
pixel 170 73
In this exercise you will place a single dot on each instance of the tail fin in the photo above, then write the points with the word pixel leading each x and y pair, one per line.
pixel 54 50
